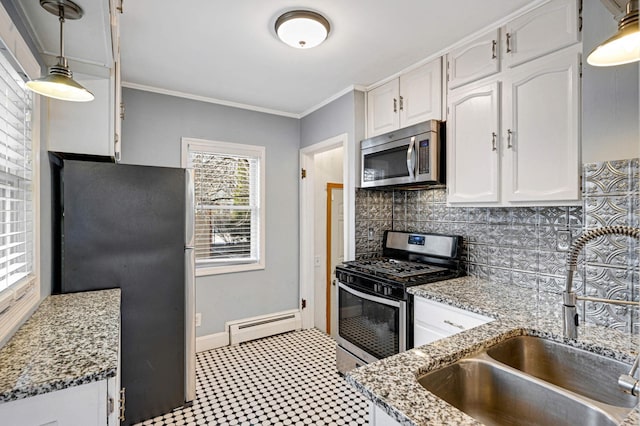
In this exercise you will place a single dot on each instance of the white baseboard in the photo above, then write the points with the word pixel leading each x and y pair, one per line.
pixel 212 341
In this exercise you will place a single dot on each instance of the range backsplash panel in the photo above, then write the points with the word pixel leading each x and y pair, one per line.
pixel 518 245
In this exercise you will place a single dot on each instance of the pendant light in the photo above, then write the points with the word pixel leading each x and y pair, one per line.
pixel 59 83
pixel 624 46
pixel 302 29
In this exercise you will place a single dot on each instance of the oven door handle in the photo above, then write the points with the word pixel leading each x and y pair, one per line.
pixel 411 158
pixel 396 304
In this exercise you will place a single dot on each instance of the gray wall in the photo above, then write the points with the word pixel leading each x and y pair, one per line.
pixel 344 115
pixel 609 95
pixel 152 130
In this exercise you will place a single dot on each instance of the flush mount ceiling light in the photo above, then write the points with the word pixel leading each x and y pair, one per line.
pixel 302 29
pixel 59 83
pixel 624 46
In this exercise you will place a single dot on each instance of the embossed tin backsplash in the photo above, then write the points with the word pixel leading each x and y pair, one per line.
pixel 518 245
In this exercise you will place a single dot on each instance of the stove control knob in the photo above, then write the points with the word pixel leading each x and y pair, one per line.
pixel 387 291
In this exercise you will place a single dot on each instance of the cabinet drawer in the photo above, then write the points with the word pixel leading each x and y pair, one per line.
pixel 446 319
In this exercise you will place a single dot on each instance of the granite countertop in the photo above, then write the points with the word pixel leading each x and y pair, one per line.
pixel 392 385
pixel 70 340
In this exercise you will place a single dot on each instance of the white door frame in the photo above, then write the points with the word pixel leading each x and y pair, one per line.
pixel 307 214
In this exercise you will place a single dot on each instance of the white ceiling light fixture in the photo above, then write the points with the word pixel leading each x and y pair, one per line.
pixel 59 83
pixel 624 46
pixel 302 29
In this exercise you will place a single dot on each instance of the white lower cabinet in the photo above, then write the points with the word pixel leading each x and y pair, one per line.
pixel 378 417
pixel 90 404
pixel 434 321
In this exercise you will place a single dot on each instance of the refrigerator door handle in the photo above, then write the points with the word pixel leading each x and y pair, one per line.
pixel 190 290
pixel 190 326
pixel 190 210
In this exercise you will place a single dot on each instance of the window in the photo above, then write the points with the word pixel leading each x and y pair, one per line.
pixel 19 218
pixel 229 205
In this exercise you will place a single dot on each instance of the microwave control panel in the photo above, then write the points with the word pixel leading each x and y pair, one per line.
pixel 423 156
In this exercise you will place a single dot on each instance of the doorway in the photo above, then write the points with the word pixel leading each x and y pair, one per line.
pixel 324 163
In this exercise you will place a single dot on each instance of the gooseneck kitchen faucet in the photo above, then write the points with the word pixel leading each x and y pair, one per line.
pixel 570 316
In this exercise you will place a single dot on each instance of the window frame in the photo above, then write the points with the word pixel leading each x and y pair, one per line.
pixel 23 296
pixel 219 147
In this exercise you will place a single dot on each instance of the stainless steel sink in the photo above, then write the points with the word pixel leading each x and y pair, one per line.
pixel 496 396
pixel 577 370
pixel 539 383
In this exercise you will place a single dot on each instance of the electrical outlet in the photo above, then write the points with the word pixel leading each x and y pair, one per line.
pixel 563 240
pixel 370 234
pixel 198 319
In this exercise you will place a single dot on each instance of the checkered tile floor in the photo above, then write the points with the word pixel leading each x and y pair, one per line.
pixel 289 379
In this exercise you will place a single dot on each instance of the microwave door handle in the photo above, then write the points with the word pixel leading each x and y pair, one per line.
pixel 411 161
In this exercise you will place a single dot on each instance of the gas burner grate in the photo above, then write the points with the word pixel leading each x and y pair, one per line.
pixel 393 267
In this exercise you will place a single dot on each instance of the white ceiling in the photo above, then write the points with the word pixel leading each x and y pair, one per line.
pixel 228 50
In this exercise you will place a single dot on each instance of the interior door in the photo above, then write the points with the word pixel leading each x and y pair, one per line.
pixel 335 246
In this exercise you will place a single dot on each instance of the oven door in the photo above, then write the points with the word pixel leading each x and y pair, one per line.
pixel 369 326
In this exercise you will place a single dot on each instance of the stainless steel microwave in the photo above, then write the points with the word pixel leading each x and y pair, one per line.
pixel 409 156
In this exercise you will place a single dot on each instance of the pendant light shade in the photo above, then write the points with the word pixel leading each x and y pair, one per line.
pixel 59 83
pixel 624 46
pixel 302 29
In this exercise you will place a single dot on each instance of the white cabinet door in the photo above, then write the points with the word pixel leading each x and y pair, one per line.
pixel 543 30
pixel 382 109
pixel 475 60
pixel 420 94
pixel 473 145
pixel 118 113
pixel 541 129
pixel 83 405
pixel 84 127
pixel 378 417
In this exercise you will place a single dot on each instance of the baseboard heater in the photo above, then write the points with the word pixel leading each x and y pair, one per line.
pixel 263 326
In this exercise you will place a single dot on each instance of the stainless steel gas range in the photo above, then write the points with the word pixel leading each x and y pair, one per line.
pixel 375 312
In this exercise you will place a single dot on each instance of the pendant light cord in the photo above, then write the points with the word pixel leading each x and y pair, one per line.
pixel 61 19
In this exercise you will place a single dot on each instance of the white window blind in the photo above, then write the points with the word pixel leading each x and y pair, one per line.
pixel 16 200
pixel 228 204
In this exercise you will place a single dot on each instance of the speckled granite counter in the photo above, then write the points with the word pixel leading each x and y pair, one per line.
pixel 70 340
pixel 391 383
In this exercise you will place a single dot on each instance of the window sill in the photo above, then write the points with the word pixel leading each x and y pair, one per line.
pixel 19 311
pixel 217 270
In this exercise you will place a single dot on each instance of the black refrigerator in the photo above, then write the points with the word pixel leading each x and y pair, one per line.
pixel 131 227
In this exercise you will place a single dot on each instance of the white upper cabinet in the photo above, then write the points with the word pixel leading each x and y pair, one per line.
pixel 543 30
pixel 382 109
pixel 475 60
pixel 473 155
pixel 521 146
pixel 541 129
pixel 414 97
pixel 513 125
pixel 421 94
pixel 83 127
pixel 91 128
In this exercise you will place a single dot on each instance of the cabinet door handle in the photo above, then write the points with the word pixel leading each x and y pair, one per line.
pixel 395 105
pixel 509 135
pixel 508 43
pixel 453 324
pixel 494 47
pixel 494 137
pixel 401 103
